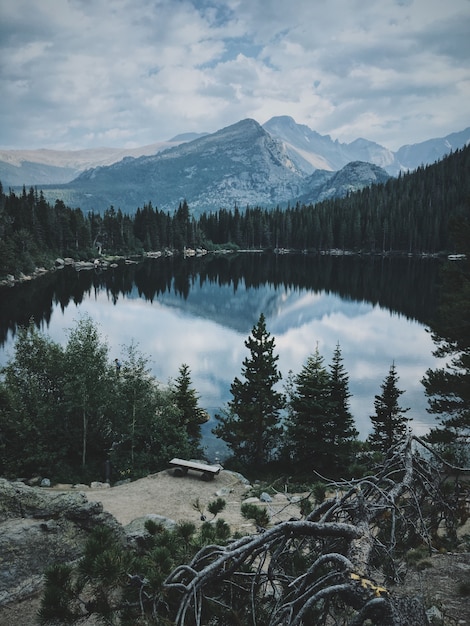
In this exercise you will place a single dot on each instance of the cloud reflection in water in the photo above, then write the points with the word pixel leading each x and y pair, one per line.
pixel 172 331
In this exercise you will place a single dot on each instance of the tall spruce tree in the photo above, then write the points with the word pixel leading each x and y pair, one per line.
pixel 389 424
pixel 344 431
pixel 310 436
pixel 250 424
pixel 187 401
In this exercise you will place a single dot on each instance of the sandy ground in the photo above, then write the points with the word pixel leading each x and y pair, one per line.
pixel 174 497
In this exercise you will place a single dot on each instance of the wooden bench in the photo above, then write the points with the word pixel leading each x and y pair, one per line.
pixel 181 468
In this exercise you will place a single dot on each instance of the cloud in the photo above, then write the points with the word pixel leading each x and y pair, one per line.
pixel 80 74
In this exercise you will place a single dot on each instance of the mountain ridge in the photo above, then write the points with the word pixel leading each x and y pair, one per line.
pixel 282 127
pixel 275 164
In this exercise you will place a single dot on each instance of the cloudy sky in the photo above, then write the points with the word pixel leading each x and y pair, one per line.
pixel 125 73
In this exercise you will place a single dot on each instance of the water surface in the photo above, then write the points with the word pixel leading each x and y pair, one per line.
pixel 200 312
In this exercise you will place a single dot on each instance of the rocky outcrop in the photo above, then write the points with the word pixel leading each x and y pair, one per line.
pixel 40 527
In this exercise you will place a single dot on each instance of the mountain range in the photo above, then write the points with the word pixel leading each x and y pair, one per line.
pixel 276 164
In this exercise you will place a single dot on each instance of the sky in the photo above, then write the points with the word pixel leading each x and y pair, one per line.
pixel 78 74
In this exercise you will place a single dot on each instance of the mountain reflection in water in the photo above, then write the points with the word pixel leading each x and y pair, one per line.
pixel 199 311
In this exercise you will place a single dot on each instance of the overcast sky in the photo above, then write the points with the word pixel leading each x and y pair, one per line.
pixel 125 73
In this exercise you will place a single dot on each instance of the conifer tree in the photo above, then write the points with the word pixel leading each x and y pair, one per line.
pixel 310 427
pixel 389 423
pixel 250 425
pixel 187 401
pixel 448 388
pixel 344 431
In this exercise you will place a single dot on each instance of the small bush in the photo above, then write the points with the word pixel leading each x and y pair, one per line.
pixel 256 514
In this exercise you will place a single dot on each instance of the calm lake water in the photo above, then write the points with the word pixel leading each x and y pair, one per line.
pixel 199 311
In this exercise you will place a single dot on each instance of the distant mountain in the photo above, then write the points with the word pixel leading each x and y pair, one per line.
pixel 352 177
pixel 241 164
pixel 310 150
pixel 238 165
pixel 275 164
pixel 31 173
pixel 412 156
pixel 44 167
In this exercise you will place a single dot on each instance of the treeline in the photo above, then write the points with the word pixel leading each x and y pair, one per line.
pixel 408 214
pixel 73 414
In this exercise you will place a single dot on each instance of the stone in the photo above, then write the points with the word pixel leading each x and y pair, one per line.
pixel 239 477
pixel 434 615
pixel 39 528
pixel 265 497
pixel 45 482
pixel 252 500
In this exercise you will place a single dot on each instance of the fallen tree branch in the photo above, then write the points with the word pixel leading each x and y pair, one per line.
pixel 334 563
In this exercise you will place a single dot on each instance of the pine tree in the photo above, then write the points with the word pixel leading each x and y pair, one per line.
pixel 344 431
pixel 389 423
pixel 192 416
pixel 309 426
pixel 250 425
pixel 448 388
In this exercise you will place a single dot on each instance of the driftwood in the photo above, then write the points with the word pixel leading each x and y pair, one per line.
pixel 334 566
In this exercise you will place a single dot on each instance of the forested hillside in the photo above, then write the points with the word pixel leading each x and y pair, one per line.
pixel 409 214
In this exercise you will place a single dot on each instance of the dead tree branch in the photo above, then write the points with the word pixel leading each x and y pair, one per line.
pixel 334 564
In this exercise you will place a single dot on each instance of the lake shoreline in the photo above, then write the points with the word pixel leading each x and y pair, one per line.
pixel 101 263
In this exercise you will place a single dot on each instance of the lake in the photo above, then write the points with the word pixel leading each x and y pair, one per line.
pixel 200 311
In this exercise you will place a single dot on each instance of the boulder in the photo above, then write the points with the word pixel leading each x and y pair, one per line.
pixel 99 485
pixel 265 497
pixel 39 528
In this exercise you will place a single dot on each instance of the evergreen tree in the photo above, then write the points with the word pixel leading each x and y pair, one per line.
pixel 250 425
pixel 192 416
pixel 344 431
pixel 448 388
pixel 389 423
pixel 310 437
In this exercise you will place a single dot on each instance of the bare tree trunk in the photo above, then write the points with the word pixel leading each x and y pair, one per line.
pixel 85 435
